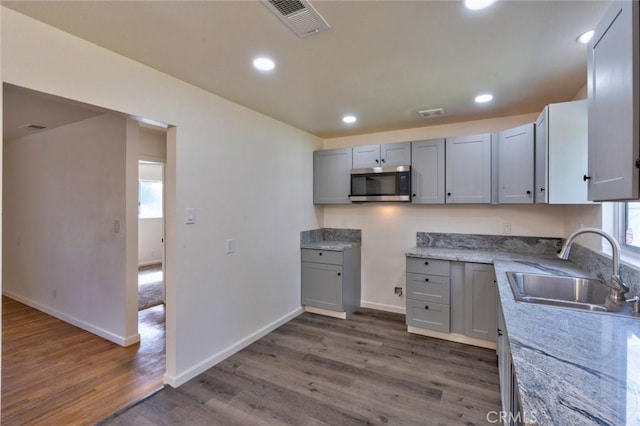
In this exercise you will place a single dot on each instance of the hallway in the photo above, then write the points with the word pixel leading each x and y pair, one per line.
pixel 56 373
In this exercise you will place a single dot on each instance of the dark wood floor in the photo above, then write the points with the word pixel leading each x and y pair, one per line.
pixel 56 374
pixel 316 370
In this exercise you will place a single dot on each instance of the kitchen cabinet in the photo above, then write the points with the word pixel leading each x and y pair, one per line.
pixel 385 155
pixel 481 300
pixel 331 176
pixel 468 169
pixel 515 165
pixel 427 300
pixel 427 171
pixel 561 154
pixel 331 279
pixel 509 395
pixel 614 111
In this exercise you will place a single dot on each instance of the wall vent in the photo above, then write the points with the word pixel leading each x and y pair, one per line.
pixel 431 113
pixel 33 127
pixel 298 15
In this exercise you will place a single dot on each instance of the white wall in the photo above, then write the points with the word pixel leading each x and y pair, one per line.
pixel 216 303
pixel 150 230
pixel 64 223
pixel 388 231
pixel 153 144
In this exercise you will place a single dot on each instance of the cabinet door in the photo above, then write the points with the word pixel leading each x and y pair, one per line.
pixel 515 165
pixel 427 166
pixel 541 143
pixel 614 113
pixel 481 301
pixel 468 169
pixel 395 154
pixel 568 163
pixel 331 176
pixel 322 285
pixel 366 156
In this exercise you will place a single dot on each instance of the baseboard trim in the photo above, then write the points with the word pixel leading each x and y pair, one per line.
pixel 177 380
pixel 383 307
pixel 452 337
pixel 119 340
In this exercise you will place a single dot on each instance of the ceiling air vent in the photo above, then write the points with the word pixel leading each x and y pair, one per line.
pixel 33 127
pixel 431 113
pixel 298 15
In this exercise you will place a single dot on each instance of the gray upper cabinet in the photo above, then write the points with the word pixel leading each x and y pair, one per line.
pixel 614 113
pixel 515 165
pixel 385 155
pixel 427 166
pixel 561 154
pixel 468 169
pixel 331 176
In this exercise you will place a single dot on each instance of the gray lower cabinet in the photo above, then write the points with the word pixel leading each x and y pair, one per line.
pixel 452 297
pixel 331 176
pixel 427 304
pixel 480 301
pixel 509 395
pixel 331 279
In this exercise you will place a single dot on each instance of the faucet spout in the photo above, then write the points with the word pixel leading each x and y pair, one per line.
pixel 618 288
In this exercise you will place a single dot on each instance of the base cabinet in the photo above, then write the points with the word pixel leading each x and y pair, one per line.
pixel 452 300
pixel 508 384
pixel 331 279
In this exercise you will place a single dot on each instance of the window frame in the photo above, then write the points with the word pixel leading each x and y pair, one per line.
pixel 623 225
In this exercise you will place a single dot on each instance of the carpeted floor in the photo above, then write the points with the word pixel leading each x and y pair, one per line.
pixel 150 286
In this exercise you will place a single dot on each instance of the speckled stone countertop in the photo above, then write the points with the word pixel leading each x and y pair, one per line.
pixel 330 245
pixel 573 367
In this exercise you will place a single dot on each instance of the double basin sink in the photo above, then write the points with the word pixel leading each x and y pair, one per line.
pixel 564 291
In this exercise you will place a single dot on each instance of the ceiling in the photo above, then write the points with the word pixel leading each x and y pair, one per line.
pixel 381 60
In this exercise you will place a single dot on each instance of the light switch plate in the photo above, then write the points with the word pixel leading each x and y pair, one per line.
pixel 191 215
pixel 231 245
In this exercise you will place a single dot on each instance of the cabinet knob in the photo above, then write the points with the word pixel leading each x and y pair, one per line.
pixel 541 189
pixel 320 254
pixel 339 274
pixel 528 192
pixel 586 178
pixel 426 279
pixel 382 160
pixel 414 195
pixel 377 161
pixel 426 263
pixel 448 194
pixel 638 163
pixel 426 307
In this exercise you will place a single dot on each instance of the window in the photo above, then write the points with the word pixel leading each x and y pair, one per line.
pixel 631 231
pixel 149 199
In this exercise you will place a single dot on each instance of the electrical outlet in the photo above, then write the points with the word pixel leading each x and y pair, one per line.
pixel 506 228
pixel 397 291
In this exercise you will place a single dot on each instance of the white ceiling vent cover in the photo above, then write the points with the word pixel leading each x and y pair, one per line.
pixel 298 15
pixel 431 113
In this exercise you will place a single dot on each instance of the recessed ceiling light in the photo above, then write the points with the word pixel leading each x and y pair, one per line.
pixel 478 4
pixel 481 99
pixel 349 119
pixel 585 37
pixel 264 64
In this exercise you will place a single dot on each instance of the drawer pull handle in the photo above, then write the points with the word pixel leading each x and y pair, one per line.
pixel 426 263
pixel 426 279
pixel 426 307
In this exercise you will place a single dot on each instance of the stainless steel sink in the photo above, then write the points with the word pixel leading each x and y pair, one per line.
pixel 571 292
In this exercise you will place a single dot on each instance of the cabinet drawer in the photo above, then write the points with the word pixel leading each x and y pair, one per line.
pixel 429 315
pixel 431 288
pixel 418 265
pixel 322 256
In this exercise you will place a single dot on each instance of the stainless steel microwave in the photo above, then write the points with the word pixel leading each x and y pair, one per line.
pixel 381 184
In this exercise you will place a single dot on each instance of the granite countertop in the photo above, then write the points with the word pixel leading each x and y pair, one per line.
pixel 573 367
pixel 330 245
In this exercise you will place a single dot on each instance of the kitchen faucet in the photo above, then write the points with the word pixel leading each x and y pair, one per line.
pixel 618 288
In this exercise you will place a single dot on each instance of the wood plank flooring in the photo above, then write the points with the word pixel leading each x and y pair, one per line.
pixel 316 370
pixel 54 373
